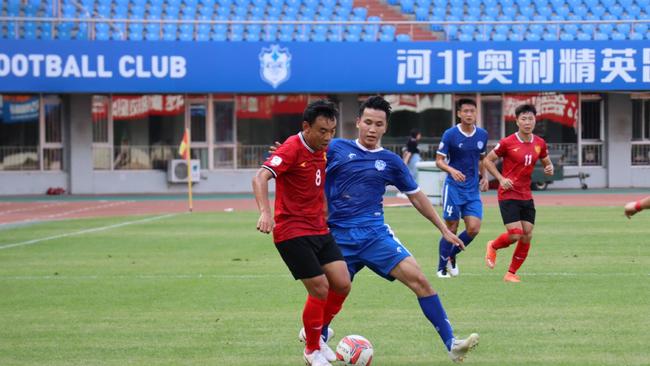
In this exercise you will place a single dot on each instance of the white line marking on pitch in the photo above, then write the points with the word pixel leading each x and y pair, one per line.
pixel 86 231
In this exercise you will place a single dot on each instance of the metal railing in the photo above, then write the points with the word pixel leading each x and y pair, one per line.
pixel 640 153
pixel 29 158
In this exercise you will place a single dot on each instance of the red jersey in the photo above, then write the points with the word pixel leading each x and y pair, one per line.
pixel 519 160
pixel 299 190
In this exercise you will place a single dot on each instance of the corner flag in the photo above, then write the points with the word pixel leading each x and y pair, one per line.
pixel 184 149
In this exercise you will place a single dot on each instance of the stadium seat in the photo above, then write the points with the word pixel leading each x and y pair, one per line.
pixel 402 37
pixel 600 36
pixel 582 36
pixel 550 36
pixel 499 37
pixel 617 36
pixel 360 12
pixel 636 36
pixel 464 37
pixel 515 37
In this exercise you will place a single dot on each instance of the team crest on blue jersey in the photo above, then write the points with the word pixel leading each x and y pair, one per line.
pixel 380 165
pixel 275 65
pixel 479 145
pixel 351 156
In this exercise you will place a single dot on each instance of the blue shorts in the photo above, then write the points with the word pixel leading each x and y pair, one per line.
pixel 458 203
pixel 374 247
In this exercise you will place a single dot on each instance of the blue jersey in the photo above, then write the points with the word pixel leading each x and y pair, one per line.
pixel 356 182
pixel 464 152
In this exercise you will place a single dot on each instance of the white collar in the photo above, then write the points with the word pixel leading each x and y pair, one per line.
pixel 365 148
pixel 304 143
pixel 463 132
pixel 532 138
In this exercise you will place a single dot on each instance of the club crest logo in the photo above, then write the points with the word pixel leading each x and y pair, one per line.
pixel 479 145
pixel 538 149
pixel 380 165
pixel 275 65
pixel 276 160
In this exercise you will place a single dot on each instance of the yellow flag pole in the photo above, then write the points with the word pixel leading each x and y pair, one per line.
pixel 189 169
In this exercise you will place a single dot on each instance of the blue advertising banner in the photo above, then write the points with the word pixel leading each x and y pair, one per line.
pixel 328 67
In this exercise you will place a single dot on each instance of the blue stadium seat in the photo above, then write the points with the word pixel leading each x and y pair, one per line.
pixel 349 37
pixel 335 37
pixel 402 38
pixel 623 28
pixel 252 36
pixel 492 11
pixel 360 12
pixel 550 36
pixel 481 37
pixel 598 10
pixel 474 11
pixel 615 10
pixel 499 37
pixel 567 37
pixel 589 28
pixel 641 28
pixel 457 11
pixel 235 36
pixel 386 38
pixel 530 36
pixel 600 36
pixel 582 36
pixel 369 37
pixel 605 28
pixel 636 36
pixel 608 3
pixel 421 14
pixel 318 37
pixel 617 36
pixel 464 37
pixel 515 37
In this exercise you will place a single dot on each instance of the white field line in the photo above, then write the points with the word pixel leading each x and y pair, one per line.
pixel 86 231
pixel 58 215
pixel 277 275
pixel 33 208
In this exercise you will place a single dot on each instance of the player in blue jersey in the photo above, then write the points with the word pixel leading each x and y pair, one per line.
pixel 358 172
pixel 459 154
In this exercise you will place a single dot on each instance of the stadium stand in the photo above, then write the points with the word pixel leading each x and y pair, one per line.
pixel 244 20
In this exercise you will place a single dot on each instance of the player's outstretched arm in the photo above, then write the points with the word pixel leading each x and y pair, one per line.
pixel 422 204
pixel 261 189
pixel 633 207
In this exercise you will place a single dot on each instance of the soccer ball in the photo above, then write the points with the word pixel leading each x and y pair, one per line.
pixel 354 350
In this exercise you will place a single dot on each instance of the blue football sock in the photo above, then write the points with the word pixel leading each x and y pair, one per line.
pixel 323 333
pixel 444 250
pixel 464 236
pixel 433 310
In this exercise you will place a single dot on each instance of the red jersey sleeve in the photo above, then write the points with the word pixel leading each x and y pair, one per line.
pixel 281 160
pixel 501 148
pixel 544 152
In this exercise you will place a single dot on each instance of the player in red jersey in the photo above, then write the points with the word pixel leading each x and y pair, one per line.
pixel 520 151
pixel 299 228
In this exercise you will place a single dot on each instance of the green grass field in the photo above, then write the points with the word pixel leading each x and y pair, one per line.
pixel 207 289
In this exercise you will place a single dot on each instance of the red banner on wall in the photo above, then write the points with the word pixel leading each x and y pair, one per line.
pixel 141 106
pixel 557 107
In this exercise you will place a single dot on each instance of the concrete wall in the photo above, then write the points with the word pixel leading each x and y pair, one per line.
pixel 618 132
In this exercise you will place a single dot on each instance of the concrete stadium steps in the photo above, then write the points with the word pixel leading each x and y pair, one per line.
pixel 389 13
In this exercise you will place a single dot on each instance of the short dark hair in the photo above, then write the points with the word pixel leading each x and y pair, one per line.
pixel 415 132
pixel 463 101
pixel 320 108
pixel 376 102
pixel 525 108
